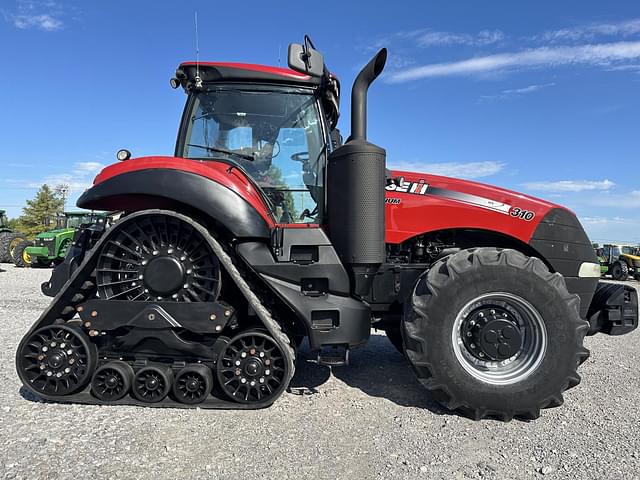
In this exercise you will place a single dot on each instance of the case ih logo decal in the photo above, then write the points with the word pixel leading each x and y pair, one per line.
pixel 421 187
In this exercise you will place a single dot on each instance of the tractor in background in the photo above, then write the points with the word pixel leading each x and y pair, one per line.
pixel 9 239
pixel 620 261
pixel 50 247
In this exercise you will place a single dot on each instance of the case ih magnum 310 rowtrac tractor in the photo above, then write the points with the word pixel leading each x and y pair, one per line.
pixel 264 229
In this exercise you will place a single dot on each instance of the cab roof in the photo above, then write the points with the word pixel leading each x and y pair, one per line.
pixel 211 72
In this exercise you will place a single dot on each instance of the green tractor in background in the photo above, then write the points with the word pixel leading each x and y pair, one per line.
pixel 9 239
pixel 50 247
pixel 620 261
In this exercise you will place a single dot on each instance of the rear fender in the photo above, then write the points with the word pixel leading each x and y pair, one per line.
pixel 166 187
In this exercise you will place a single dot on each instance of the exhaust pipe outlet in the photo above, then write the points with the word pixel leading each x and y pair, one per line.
pixel 356 192
pixel 365 78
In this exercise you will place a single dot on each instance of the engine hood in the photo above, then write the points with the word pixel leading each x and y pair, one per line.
pixel 423 202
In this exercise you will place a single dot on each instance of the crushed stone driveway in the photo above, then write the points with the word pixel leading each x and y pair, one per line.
pixel 369 420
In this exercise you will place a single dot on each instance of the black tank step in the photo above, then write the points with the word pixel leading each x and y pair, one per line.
pixel 333 356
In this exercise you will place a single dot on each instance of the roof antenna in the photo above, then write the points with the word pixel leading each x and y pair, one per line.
pixel 279 54
pixel 198 79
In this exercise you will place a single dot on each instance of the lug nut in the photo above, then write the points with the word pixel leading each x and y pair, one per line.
pixel 59 374
pixel 67 370
pixel 186 285
pixel 468 334
pixel 267 372
pixel 40 357
pixel 151 316
pixel 175 295
pixel 94 313
pixel 261 379
pixel 72 361
pixel 140 277
pixel 87 324
pixel 155 252
pixel 253 383
pixel 243 380
pixel 49 373
pixel 243 354
pixel 493 312
pixel 42 366
pixel 227 313
pixel 146 290
pixel 80 308
pixel 144 262
pixel 261 354
pixel 69 352
pixel 252 351
pixel 238 371
pixel 183 258
pixel 267 362
pixel 170 251
pixel 189 272
pixel 473 345
pixel 93 333
pixel 62 345
pixel 44 349
pixel 238 363
pixel 213 316
pixel 53 344
pixel 218 328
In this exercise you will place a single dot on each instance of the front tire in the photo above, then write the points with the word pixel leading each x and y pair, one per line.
pixel 619 271
pixel 493 333
pixel 20 256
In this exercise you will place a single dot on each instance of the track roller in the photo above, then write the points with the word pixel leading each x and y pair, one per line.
pixel 252 368
pixel 193 384
pixel 112 381
pixel 56 360
pixel 152 383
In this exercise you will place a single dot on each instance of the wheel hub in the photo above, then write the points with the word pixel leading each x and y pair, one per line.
pixel 151 383
pixel 491 333
pixel 164 275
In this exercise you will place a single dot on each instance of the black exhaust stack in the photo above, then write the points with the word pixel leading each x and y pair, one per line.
pixel 356 190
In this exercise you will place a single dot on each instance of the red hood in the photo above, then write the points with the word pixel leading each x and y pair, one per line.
pixel 427 203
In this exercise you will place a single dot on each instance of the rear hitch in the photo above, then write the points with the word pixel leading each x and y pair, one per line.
pixel 613 310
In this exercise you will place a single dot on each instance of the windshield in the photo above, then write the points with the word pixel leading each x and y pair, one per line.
pixel 628 250
pixel 274 134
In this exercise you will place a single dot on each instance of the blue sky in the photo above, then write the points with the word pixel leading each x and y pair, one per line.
pixel 541 98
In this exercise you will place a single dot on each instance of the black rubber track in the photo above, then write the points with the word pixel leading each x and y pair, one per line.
pixel 81 286
pixel 457 279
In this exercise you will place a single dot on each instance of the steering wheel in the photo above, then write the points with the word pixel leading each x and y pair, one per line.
pixel 300 157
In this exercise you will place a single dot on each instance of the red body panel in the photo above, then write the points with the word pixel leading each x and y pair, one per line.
pixel 220 172
pixel 429 203
pixel 283 72
pixel 438 209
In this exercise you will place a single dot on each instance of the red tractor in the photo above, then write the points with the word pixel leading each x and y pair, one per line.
pixel 265 228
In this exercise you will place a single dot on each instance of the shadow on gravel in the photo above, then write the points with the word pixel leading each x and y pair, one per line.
pixel 29 396
pixel 377 369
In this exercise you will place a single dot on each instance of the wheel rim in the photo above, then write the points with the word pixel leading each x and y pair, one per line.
pixel 26 258
pixel 13 244
pixel 499 338
pixel 158 257
pixel 56 360
pixel 252 368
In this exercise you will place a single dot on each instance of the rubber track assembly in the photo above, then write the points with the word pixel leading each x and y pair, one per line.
pixel 66 348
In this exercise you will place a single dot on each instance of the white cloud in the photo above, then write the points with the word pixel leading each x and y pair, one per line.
pixel 451 169
pixel 569 185
pixel 436 39
pixel 516 92
pixel 596 55
pixel 44 22
pixel 613 229
pixel 588 32
pixel 78 180
pixel 616 200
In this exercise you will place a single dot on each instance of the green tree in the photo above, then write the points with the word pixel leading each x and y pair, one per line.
pixel 46 204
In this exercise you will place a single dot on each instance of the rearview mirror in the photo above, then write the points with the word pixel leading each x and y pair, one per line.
pixel 306 60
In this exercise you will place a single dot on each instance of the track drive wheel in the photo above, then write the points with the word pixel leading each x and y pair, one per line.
pixel 8 243
pixel 21 257
pixel 493 333
pixel 112 381
pixel 56 360
pixel 252 368
pixel 152 383
pixel 619 271
pixel 193 384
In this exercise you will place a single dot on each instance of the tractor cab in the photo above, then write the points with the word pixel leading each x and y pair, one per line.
pixel 273 123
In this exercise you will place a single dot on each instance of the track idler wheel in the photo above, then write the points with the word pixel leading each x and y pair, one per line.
pixel 152 383
pixel 193 384
pixel 112 381
pixel 56 360
pixel 252 368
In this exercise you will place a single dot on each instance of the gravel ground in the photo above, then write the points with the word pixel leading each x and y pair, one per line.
pixel 369 420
